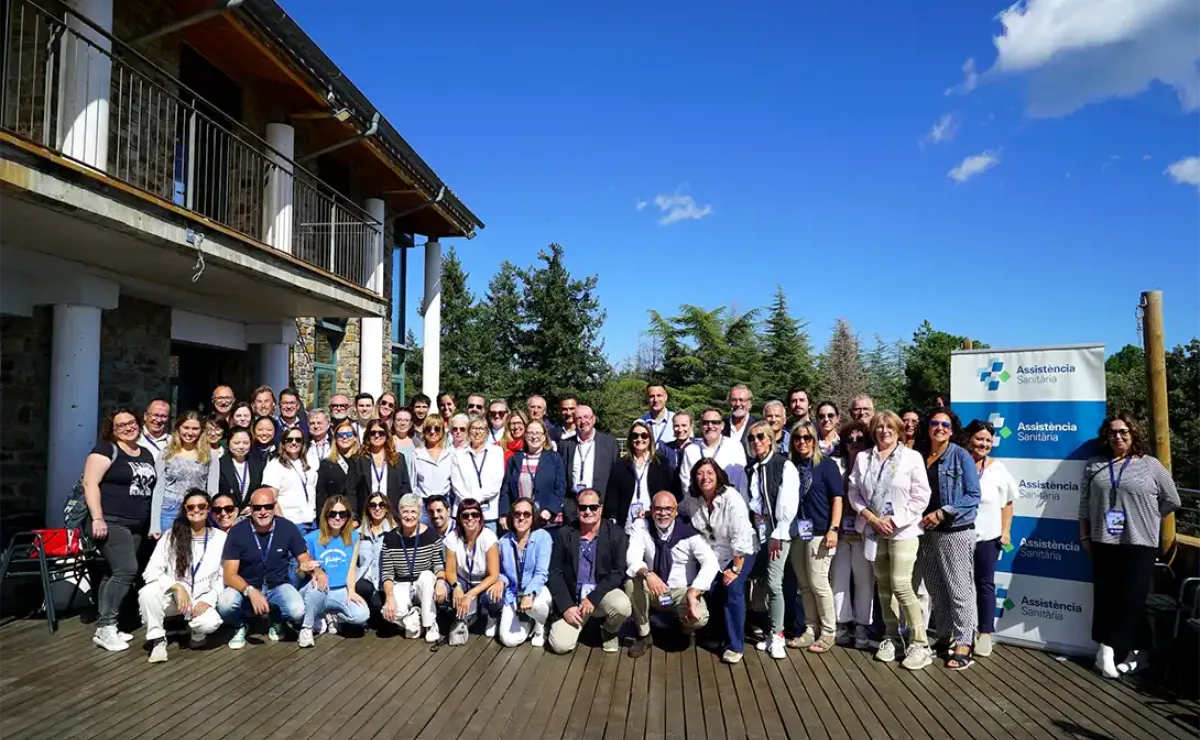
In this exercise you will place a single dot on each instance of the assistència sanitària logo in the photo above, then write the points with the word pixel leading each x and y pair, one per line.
pixel 994 375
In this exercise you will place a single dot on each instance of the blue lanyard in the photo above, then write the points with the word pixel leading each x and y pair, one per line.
pixel 663 430
pixel 151 442
pixel 303 480
pixel 479 467
pixel 639 475
pixel 196 565
pixel 470 560
pixel 244 479
pixel 265 555
pixel 1115 479
pixel 322 450
pixel 883 464
pixel 521 553
pixel 412 561
pixel 379 473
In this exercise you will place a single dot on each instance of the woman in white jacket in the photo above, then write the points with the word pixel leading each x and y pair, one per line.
pixel 184 576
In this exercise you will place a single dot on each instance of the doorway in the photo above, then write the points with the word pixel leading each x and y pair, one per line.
pixel 197 369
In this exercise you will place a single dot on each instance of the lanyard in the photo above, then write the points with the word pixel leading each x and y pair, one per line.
pixel 412 561
pixel 303 480
pixel 151 442
pixel 265 555
pixel 716 452
pixel 521 554
pixel 527 470
pixel 806 476
pixel 583 458
pixel 470 560
pixel 479 467
pixel 662 430
pixel 379 473
pixel 883 464
pixel 196 565
pixel 243 480
pixel 322 450
pixel 1115 479
pixel 640 474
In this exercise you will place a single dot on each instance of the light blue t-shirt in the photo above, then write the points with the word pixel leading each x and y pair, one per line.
pixel 334 556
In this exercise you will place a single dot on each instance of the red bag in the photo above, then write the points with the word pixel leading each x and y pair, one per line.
pixel 58 543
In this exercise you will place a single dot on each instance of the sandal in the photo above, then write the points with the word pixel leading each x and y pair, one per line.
pixel 959 661
pixel 823 644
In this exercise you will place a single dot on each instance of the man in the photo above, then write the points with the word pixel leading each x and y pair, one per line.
pixel 670 569
pixel 156 434
pixel 257 554
pixel 740 400
pixel 339 409
pixel 475 405
pixel 222 401
pixel 364 410
pixel 319 442
pixel 446 406
pixel 437 509
pixel 587 565
pixel 497 418
pixel 420 410
pixel 799 403
pixel 588 457
pixel 681 427
pixel 262 400
pixel 862 408
pixel 776 415
pixel 289 413
pixel 730 455
pixel 658 416
pixel 566 415
pixel 535 405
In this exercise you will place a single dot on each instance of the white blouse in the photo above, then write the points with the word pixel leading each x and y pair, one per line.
pixel 998 489
pixel 432 477
pixel 297 489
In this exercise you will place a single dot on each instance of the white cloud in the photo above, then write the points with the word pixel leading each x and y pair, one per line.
pixel 970 79
pixel 642 204
pixel 1185 172
pixel 976 164
pixel 943 130
pixel 678 207
pixel 1145 157
pixel 1076 52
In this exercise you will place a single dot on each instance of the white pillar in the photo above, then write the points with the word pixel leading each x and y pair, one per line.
pixel 74 401
pixel 432 357
pixel 370 333
pixel 84 84
pixel 275 343
pixel 277 194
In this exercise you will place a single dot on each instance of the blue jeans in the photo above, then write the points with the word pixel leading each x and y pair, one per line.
pixel 335 601
pixel 986 555
pixel 730 602
pixel 286 605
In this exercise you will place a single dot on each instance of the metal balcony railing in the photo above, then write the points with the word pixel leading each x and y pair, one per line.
pixel 72 88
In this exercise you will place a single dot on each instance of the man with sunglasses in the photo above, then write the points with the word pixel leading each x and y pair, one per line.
pixel 256 557
pixel 587 566
pixel 339 409
pixel 475 405
pixel 729 454
pixel 497 417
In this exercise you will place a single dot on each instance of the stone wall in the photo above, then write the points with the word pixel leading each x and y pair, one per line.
pixel 135 354
pixel 24 412
pixel 302 359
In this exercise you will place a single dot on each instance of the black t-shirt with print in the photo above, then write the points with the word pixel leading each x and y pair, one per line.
pixel 126 488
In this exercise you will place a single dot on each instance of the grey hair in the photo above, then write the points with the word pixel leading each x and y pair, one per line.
pixel 410 500
pixel 460 416
pixel 321 411
pixel 772 403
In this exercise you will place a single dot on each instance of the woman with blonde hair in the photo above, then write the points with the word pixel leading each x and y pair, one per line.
pixel 183 465
pixel 334 544
pixel 774 499
pixel 333 471
pixel 537 473
pixel 513 439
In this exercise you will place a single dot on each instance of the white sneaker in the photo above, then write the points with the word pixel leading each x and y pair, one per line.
pixel 1136 661
pixel 125 636
pixel 862 637
pixel 331 624
pixel 539 635
pixel 238 641
pixel 778 647
pixel 275 633
pixel 763 644
pixel 107 638
pixel 917 657
pixel 1104 662
pixel 731 657
pixel 887 651
pixel 432 635
pixel 320 626
pixel 490 630
pixel 159 653
pixel 412 624
pixel 983 645
pixel 306 638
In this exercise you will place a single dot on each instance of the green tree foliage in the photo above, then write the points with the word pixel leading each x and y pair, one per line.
pixel 1183 405
pixel 500 332
pixel 413 360
pixel 618 401
pixel 927 365
pixel 745 355
pixel 461 341
pixel 842 373
pixel 787 355
pixel 884 365
pixel 1125 379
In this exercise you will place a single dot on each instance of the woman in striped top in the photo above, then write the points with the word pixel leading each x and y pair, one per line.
pixel 412 560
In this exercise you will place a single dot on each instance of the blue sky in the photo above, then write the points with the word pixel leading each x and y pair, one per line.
pixel 850 154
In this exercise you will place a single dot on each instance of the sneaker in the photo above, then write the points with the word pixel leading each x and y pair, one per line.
pixel 983 645
pixel 159 653
pixel 778 647
pixel 731 657
pixel 917 657
pixel 431 635
pixel 539 635
pixel 331 624
pixel 640 645
pixel 197 641
pixel 763 644
pixel 412 624
pixel 759 634
pixel 107 638
pixel 489 631
pixel 306 638
pixel 887 651
pixel 612 642
pixel 124 636
pixel 844 637
pixel 862 637
pixel 1136 661
pixel 275 633
pixel 238 641
pixel 803 641
pixel 320 626
pixel 1104 662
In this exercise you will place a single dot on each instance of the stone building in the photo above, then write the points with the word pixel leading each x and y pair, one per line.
pixel 191 193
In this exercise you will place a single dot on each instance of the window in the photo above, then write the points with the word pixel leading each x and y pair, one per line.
pixel 398 375
pixel 328 338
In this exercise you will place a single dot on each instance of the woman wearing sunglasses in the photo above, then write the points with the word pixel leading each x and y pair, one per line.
pixel 536 473
pixel 184 577
pixel 853 608
pixel 513 439
pixel 377 469
pixel 524 567
pixel 636 477
pixel 828 417
pixel 386 407
pixel 295 483
pixel 774 500
pixel 335 546
pixel 238 472
pixel 334 470
pixel 224 512
pixel 478 471
pixel 472 568
pixel 432 463
pixel 377 522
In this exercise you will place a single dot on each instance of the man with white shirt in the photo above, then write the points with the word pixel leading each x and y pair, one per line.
pixel 730 455
pixel 670 567
pixel 156 433
pixel 740 401
pixel 319 441
pixel 658 416
pixel 684 437
pixel 497 418
pixel 588 457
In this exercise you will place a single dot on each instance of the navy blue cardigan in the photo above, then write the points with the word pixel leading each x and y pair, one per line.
pixel 817 504
pixel 549 482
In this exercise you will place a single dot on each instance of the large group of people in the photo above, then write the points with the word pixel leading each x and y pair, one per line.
pixel 801 530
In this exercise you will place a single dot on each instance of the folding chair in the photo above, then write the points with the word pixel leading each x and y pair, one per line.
pixel 26 557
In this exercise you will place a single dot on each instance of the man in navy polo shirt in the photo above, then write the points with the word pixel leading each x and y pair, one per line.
pixel 257 554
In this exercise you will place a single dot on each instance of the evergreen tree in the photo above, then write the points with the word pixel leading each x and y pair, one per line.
pixel 886 384
pixel 414 359
pixel 1125 381
pixel 927 366
pixel 500 332
pixel 461 346
pixel 744 355
pixel 842 374
pixel 787 352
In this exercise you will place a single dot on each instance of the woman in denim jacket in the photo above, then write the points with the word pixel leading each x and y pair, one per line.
pixel 946 558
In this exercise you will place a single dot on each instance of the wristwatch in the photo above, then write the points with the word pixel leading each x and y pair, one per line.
pixel 246 591
pixel 737 569
pixel 836 529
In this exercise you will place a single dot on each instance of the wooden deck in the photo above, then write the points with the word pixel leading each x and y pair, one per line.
pixel 61 686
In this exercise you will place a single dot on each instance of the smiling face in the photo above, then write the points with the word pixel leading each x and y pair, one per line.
pixel 126 428
pixel 589 508
pixel 156 418
pixel 344 438
pixel 224 512
pixel 681 425
pixel 664 510
pixel 585 420
pixel 239 444
pixel 566 410
pixel 420 409
pixel 516 427
pixel 537 408
pixel 911 422
pixel 980 444
pixel 403 422
pixel 522 516
pixel 262 508
pixel 656 399
pixel 214 434
pixel 477 433
pixel 376 436
pixel 289 406
pixel 439 515
pixel 470 519
pixel 336 518
pixel 242 417
pixel 710 426
pixel 798 404
pixel 222 399
pixel 706 479
pixel 804 441
pixel 885 436
pixel 195 508
pixel 339 407
pixel 1120 437
pixel 293 443
pixel 762 441
pixel 365 408
pixel 475 405
pixel 377 509
pixel 189 432
pixel 739 403
pixel 318 425
pixel 264 404
pixel 264 432
pixel 940 427
pixel 639 439
pixel 387 406
pixel 535 437
pixel 446 406
pixel 435 433
pixel 410 517
pixel 827 419
pixel 497 414
pixel 775 416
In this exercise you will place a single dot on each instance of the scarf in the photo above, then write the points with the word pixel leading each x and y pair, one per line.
pixel 663 559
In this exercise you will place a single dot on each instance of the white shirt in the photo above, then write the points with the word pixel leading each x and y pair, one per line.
pixel 997 489
pixel 787 498
pixel 728 454
pixel 474 567
pixel 494 435
pixel 908 493
pixel 727 527
pixel 209 578
pixel 296 487
pixel 432 477
pixel 479 475
pixel 156 445
pixel 693 562
pixel 640 501
pixel 735 432
pixel 318 451
pixel 661 432
pixel 583 464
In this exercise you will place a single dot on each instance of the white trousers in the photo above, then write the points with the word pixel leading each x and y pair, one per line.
pixel 514 630
pixel 156 604
pixel 850 559
pixel 418 593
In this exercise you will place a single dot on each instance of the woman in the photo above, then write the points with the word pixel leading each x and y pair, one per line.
pixel 815 537
pixel 215 429
pixel 335 546
pixel 333 472
pixel 993 527
pixel 478 472
pixel 224 511
pixel 827 428
pixel 264 431
pixel 183 465
pixel 912 422
pixel 774 500
pixel 184 576
pixel 945 559
pixel 537 473
pixel 524 568
pixel 472 567
pixel 378 469
pixel 722 517
pixel 458 425
pixel 412 560
pixel 295 483
pixel 377 522
pixel 636 477
pixel 854 608
pixel 118 481
pixel 242 415
pixel 513 439
pixel 446 406
pixel 238 473
pixel 402 436
pixel 1124 496
pixel 889 490
pixel 386 409
pixel 432 463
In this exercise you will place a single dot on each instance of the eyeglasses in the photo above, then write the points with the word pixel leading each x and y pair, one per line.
pixel 433 429
pixel 126 426
pixel 196 508
pixel 1118 432
pixel 496 414
pixel 345 435
pixel 339 405
pixel 222 398
pixel 935 424
pixel 522 515
pixel 860 410
pixel 759 437
pixel 386 405
pixel 294 440
pixel 466 515
pixel 662 509
pixel 376 433
pixel 263 507
pixel 377 505
pixel 710 422
pixel 639 435
pixel 827 416
pixel 224 509
pixel 475 407
pixel 589 507
pixel 804 438
pixel 458 430
pixel 338 514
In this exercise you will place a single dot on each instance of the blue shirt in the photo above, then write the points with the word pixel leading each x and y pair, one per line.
pixel 817 503
pixel 526 575
pixel 263 556
pixel 587 563
pixel 334 556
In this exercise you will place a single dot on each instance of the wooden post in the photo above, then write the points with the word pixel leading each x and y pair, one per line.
pixel 968 344
pixel 1156 391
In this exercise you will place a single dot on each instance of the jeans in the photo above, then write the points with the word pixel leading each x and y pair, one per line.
pixel 730 602
pixel 811 561
pixel 793 603
pixel 771 571
pixel 894 561
pixel 1121 582
pixel 335 601
pixel 285 601
pixel 986 555
pixel 373 597
pixel 120 551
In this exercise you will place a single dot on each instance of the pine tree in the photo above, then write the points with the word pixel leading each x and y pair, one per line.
pixel 461 345
pixel 927 365
pixel 842 373
pixel 787 352
pixel 884 365
pixel 413 365
pixel 744 357
pixel 500 332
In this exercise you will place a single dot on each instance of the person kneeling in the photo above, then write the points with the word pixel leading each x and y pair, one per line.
pixel 524 567
pixel 413 560
pixel 335 545
pixel 183 577
pixel 472 568
pixel 670 568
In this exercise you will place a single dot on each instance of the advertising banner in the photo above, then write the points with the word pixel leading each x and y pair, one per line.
pixel 1046 406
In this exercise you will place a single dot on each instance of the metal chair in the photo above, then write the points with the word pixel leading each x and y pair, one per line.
pixel 26 557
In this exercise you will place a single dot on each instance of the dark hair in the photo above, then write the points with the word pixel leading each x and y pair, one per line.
pixel 656 384
pixel 107 433
pixel 975 427
pixel 181 533
pixel 943 397
pixel 240 405
pixel 446 394
pixel 258 420
pixel 1135 437
pixel 923 442
pixel 289 392
pixel 467 504
pixel 420 398
pixel 797 389
pixel 217 420
pixel 361 395
pixel 234 430
pixel 908 410
pixel 568 397
pixel 844 433
pixel 389 449
pixel 437 499
pixel 722 476
pixel 537 520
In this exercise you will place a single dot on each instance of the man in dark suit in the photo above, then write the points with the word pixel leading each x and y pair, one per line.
pixel 740 400
pixel 587 568
pixel 589 457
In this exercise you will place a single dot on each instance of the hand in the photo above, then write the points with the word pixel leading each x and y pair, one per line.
pixel 1086 544
pixel 1005 539
pixel 586 607
pixel 439 591
pixel 654 584
pixel 199 608
pixel 308 566
pixel 462 603
pixel 495 592
pixel 503 523
pixel 573 617
pixel 931 520
pixel 831 540
pixel 885 527
pixel 355 598
pixel 693 609
pixel 245 511
pixel 546 515
pixel 99 529
pixel 182 600
pixel 526 603
pixel 774 547
pixel 728 576
pixel 259 602
pixel 320 580
pixel 155 535
pixel 389 609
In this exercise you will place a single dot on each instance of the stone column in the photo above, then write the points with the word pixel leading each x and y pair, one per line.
pixel 84 85
pixel 278 192
pixel 432 357
pixel 371 339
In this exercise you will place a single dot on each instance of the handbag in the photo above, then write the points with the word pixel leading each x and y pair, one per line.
pixel 75 510
pixel 58 543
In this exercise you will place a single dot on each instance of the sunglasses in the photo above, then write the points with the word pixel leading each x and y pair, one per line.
pixel 759 437
pixel 710 422
pixel 934 424
pixel 826 416
pixel 345 435
pixel 639 435
pixel 522 515
pixel 377 505
pixel 589 507
pixel 263 507
pixel 1118 432
pixel 467 515
pixel 376 433
pixel 855 440
pixel 804 438
pixel 433 429
pixel 386 404
pixel 224 509
pixel 195 508
pixel 294 441
pixel 496 414
pixel 458 430
pixel 339 405
pixel 475 406
pixel 338 514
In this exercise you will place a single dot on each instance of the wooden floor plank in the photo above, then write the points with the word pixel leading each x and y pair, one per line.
pixel 467 695
pixel 858 722
pixel 710 695
pixel 599 715
pixel 816 714
pixel 960 696
pixel 656 712
pixel 747 705
pixel 498 703
pixel 430 698
pixel 538 702
pixel 639 699
pixel 1028 700
pixel 674 712
pixel 562 707
pixel 693 712
pixel 783 682
pixel 620 701
pixel 860 667
pixel 760 685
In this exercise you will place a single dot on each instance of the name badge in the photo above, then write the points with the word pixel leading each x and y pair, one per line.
pixel 888 509
pixel 848 522
pixel 665 600
pixel 578 487
pixel 420 478
pixel 804 529
pixel 635 510
pixel 585 589
pixel 760 524
pixel 1114 521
